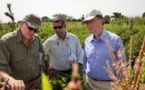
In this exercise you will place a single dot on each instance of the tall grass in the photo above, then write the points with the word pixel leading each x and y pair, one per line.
pixel 127 78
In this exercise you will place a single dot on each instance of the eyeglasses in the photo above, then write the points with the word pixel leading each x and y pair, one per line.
pixel 59 27
pixel 31 28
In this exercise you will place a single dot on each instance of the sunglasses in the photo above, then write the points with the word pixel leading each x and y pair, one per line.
pixel 31 28
pixel 59 27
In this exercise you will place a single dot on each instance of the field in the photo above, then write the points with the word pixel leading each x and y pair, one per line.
pixel 138 33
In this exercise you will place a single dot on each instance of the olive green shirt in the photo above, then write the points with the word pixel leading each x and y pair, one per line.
pixel 18 60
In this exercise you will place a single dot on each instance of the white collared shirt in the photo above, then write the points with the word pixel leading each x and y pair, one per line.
pixel 59 51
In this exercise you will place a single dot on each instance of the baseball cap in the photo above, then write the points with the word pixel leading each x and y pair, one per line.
pixel 33 20
pixel 92 15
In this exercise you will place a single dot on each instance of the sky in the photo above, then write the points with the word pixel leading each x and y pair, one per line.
pixel 74 8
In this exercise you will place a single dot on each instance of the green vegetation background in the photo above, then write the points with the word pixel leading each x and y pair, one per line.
pixel 138 33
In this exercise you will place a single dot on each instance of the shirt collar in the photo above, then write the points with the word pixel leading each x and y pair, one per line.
pixel 67 36
pixel 19 37
pixel 102 37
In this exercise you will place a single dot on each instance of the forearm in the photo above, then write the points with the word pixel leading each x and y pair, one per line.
pixel 13 83
pixel 4 74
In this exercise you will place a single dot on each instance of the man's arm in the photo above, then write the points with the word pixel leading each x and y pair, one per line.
pixel 80 52
pixel 4 59
pixel 46 48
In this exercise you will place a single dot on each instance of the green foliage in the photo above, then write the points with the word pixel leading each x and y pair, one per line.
pixel 142 80
pixel 107 19
pixel 66 17
pixel 82 32
pixel 143 15
pixel 60 82
pixel 138 33
pixel 117 15
pixel 45 19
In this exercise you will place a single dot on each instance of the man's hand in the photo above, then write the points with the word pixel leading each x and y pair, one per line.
pixel 49 69
pixel 13 83
pixel 16 84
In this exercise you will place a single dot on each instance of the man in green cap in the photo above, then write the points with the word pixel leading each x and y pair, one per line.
pixel 21 54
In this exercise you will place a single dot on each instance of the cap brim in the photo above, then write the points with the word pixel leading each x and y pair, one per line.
pixel 88 18
pixel 34 25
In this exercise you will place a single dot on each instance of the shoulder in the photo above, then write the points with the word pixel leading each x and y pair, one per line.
pixel 112 35
pixel 9 36
pixel 72 35
pixel 37 36
pixel 114 38
pixel 37 39
pixel 50 40
pixel 89 38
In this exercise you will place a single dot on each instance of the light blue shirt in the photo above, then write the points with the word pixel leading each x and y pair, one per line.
pixel 59 51
pixel 96 53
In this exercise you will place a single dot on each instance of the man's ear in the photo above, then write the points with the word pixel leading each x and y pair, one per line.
pixel 65 25
pixel 21 22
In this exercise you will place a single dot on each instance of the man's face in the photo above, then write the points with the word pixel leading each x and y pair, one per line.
pixel 27 31
pixel 59 29
pixel 94 25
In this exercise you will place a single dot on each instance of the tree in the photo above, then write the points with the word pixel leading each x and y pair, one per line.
pixel 0 20
pixel 10 14
pixel 64 16
pixel 107 19
pixel 44 19
pixel 117 15
pixel 143 15
pixel 82 18
pixel 61 15
pixel 69 18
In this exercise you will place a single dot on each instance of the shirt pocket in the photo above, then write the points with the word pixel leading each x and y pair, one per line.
pixel 59 51
pixel 20 64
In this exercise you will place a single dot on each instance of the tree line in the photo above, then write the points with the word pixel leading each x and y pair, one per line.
pixel 107 19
